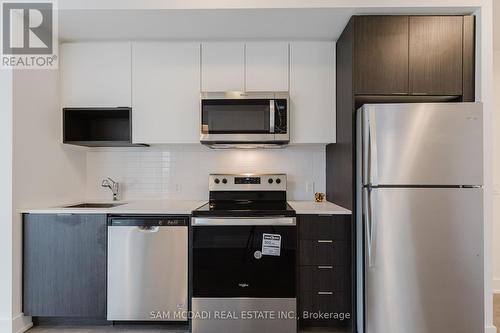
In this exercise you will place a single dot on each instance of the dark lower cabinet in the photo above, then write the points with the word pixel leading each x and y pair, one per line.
pixel 327 278
pixel 323 252
pixel 324 271
pixel 325 309
pixel 64 267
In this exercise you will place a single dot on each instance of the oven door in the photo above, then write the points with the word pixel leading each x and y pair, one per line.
pixel 256 118
pixel 229 259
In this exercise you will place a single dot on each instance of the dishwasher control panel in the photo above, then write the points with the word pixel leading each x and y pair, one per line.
pixel 148 221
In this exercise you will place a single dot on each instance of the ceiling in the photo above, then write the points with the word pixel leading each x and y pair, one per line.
pixel 218 24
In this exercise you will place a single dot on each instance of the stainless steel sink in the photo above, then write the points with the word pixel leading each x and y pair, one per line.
pixel 94 205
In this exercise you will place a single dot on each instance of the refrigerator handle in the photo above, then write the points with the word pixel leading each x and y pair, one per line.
pixel 365 149
pixel 367 214
pixel 372 147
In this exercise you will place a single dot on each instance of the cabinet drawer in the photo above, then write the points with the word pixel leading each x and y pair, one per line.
pixel 323 278
pixel 330 302
pixel 322 252
pixel 335 227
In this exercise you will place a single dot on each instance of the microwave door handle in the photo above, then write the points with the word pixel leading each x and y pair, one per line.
pixel 272 115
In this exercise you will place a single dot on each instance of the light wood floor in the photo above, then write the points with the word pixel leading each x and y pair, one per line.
pixel 123 329
pixel 109 329
pixel 496 311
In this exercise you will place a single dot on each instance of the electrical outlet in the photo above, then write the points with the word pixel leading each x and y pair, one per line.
pixel 178 188
pixel 496 189
pixel 310 187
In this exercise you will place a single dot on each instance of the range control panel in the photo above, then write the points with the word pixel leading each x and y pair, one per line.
pixel 247 182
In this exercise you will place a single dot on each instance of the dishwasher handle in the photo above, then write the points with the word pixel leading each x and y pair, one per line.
pixel 145 228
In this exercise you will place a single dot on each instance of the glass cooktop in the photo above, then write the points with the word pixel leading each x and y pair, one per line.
pixel 243 208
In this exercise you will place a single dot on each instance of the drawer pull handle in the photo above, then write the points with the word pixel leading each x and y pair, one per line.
pixel 325 293
pixel 325 241
pixel 325 267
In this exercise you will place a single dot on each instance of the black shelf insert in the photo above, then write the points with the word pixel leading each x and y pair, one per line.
pixel 98 127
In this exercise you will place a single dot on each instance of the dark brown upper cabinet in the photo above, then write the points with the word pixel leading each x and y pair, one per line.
pixel 436 51
pixel 413 55
pixel 381 61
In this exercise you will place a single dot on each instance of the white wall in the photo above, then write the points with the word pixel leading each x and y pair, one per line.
pixel 44 171
pixel 182 172
pixel 496 171
pixel 5 201
pixel 484 93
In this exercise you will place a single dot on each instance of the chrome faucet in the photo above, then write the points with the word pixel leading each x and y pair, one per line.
pixel 113 186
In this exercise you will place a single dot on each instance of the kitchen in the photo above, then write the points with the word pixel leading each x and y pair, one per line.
pixel 299 89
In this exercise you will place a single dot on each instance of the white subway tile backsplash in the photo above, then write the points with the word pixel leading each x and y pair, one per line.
pixel 181 172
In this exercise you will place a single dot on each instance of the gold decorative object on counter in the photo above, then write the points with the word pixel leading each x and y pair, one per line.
pixel 319 197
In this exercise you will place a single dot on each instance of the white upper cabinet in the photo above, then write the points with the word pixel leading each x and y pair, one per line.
pixel 312 92
pixel 223 66
pixel 96 74
pixel 266 66
pixel 161 81
pixel 252 66
pixel 166 92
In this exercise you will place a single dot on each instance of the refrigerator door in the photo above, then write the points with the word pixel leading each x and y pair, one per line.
pixel 423 260
pixel 422 144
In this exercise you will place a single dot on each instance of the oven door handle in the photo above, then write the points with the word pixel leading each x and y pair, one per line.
pixel 227 221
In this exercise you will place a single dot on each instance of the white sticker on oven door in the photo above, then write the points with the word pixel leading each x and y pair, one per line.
pixel 271 244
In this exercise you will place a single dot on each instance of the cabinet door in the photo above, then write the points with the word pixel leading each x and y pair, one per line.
pixel 381 55
pixel 96 74
pixel 266 66
pixel 312 92
pixel 436 55
pixel 64 265
pixel 166 92
pixel 223 66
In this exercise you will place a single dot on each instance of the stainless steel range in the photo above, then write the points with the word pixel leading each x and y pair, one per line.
pixel 244 257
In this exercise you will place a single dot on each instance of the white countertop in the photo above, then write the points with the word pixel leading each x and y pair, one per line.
pixel 312 207
pixel 179 207
pixel 155 207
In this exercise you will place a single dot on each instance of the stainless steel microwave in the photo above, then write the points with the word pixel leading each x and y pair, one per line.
pixel 230 119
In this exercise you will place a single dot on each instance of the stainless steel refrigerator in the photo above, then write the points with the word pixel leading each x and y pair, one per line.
pixel 420 218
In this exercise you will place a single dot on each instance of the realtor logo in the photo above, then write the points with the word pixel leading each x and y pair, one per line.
pixel 29 37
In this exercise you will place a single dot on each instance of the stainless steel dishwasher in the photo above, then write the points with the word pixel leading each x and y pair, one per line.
pixel 147 268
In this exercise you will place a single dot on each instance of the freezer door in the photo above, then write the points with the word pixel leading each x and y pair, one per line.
pixel 422 144
pixel 424 260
